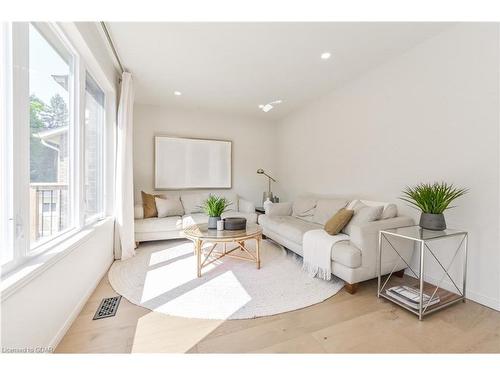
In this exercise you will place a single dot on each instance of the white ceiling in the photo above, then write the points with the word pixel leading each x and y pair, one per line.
pixel 234 67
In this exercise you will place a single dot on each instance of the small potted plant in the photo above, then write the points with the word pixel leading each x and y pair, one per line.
pixel 214 206
pixel 432 200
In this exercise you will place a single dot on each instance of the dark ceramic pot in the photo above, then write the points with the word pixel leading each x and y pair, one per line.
pixel 212 222
pixel 432 221
pixel 235 223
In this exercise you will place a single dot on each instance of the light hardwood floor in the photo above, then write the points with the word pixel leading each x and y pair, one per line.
pixel 344 323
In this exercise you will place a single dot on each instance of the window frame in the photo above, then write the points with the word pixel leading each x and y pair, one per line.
pixel 58 41
pixel 82 61
pixel 6 129
pixel 102 149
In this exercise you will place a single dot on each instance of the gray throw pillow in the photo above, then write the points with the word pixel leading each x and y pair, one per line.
pixel 303 207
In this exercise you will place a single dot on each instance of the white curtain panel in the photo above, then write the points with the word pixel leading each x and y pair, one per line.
pixel 124 227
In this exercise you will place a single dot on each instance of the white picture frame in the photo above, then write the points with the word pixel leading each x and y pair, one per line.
pixel 192 163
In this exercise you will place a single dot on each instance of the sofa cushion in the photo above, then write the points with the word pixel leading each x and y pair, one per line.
pixel 363 214
pixel 390 209
pixel 303 208
pixel 169 207
pixel 326 208
pixel 250 216
pixel 289 227
pixel 192 202
pixel 345 253
pixel 155 224
pixel 279 209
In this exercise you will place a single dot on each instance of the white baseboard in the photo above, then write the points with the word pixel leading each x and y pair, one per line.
pixel 469 294
pixel 483 300
pixel 78 308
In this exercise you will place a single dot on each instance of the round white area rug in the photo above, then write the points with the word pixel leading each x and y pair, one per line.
pixel 162 277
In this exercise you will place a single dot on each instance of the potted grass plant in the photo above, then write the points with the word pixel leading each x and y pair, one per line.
pixel 214 206
pixel 432 200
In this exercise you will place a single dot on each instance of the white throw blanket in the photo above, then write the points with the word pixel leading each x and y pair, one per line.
pixel 317 246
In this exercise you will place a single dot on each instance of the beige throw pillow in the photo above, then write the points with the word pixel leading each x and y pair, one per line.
pixel 338 221
pixel 149 205
pixel 169 207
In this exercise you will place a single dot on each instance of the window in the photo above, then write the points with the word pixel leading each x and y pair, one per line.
pixel 94 133
pixel 50 145
pixel 6 227
pixel 53 118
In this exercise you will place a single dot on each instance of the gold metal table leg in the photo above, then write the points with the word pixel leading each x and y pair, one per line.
pixel 257 249
pixel 198 245
pixel 198 256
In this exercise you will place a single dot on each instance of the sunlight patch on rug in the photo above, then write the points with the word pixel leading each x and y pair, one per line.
pixel 162 277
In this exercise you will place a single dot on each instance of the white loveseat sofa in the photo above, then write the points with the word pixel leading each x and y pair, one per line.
pixel 170 227
pixel 353 260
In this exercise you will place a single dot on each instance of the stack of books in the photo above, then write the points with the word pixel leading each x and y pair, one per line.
pixel 410 296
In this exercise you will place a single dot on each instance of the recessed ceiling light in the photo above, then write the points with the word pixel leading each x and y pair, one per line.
pixel 177 93
pixel 326 55
pixel 267 107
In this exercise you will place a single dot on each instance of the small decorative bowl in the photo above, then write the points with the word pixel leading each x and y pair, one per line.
pixel 235 223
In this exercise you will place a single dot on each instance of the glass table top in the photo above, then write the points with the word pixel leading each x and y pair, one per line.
pixel 201 231
pixel 414 232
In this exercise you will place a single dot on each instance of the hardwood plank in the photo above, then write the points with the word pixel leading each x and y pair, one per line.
pixel 301 344
pixel 344 323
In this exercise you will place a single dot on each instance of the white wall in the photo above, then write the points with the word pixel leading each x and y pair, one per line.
pixel 39 311
pixel 430 115
pixel 253 144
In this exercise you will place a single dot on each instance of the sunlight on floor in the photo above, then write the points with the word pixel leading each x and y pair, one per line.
pixel 177 335
pixel 232 293
pixel 157 288
pixel 167 277
pixel 186 333
pixel 170 269
pixel 167 254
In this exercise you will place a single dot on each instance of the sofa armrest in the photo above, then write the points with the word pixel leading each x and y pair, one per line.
pixel 365 238
pixel 246 206
pixel 138 211
pixel 280 209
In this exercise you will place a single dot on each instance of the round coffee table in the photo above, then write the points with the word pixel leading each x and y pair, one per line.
pixel 199 233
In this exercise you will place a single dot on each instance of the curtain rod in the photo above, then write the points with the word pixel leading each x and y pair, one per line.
pixel 106 32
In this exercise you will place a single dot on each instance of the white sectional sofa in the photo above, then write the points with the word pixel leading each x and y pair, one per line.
pixel 353 260
pixel 170 227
